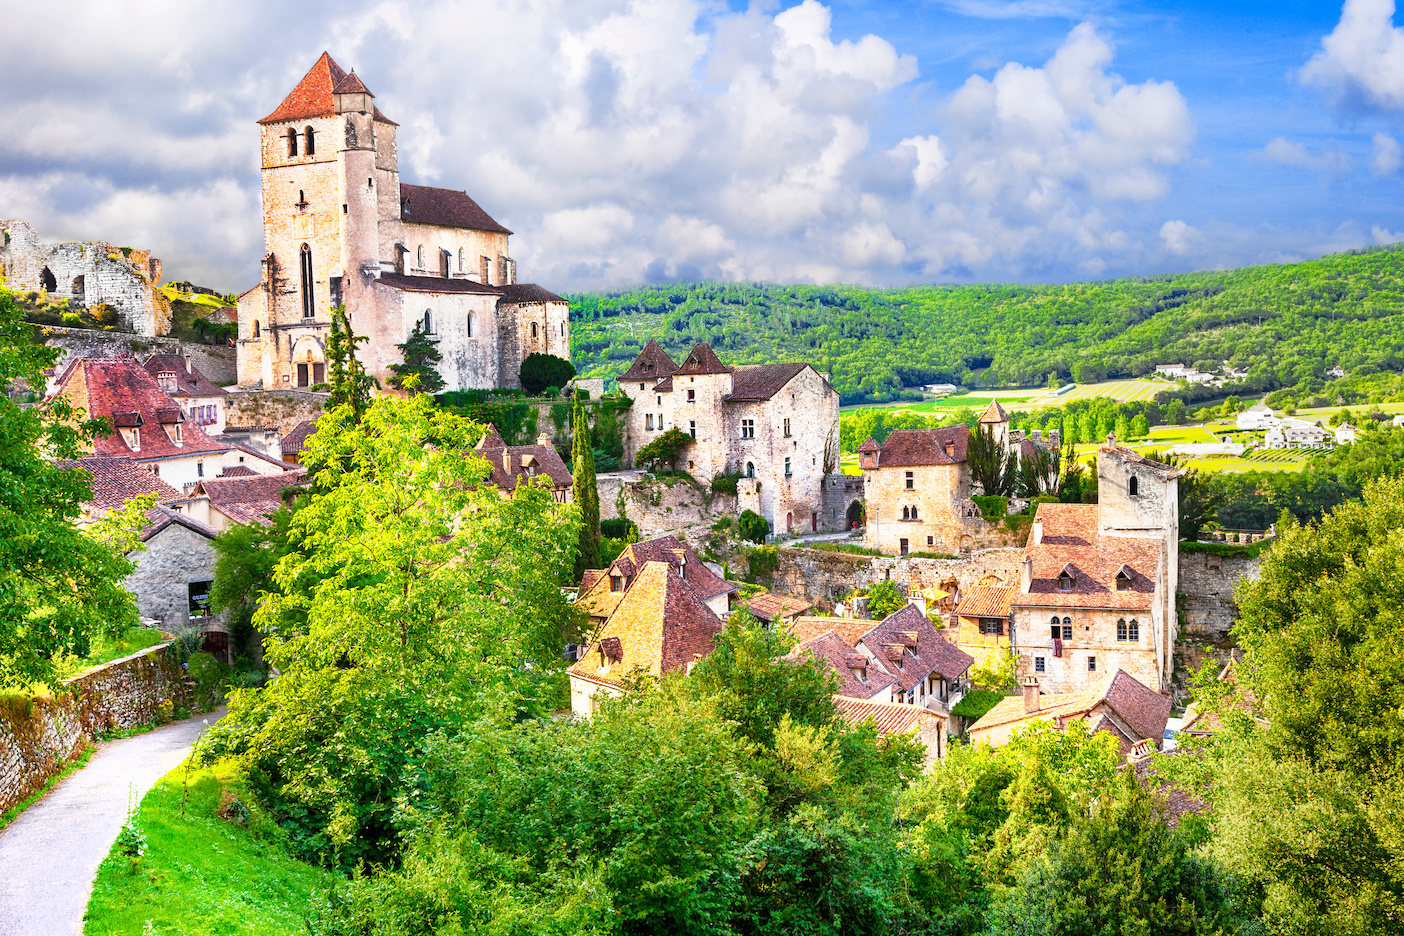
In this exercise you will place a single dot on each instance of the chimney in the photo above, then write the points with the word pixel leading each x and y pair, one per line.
pixel 1026 578
pixel 1054 437
pixel 1036 434
pixel 1030 687
pixel 543 438
pixel 1037 532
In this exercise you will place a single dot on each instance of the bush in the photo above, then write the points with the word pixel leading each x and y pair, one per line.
pixel 73 320
pixel 993 508
pixel 724 483
pixel 752 526
pixel 619 528
pixel 208 674
pixel 540 371
pixel 976 703
pixel 762 562
pixel 884 598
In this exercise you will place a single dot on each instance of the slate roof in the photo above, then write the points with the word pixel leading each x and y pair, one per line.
pixel 923 650
pixel 189 381
pixel 850 629
pixel 661 626
pixel 1142 708
pixel 1136 458
pixel 890 718
pixel 528 292
pixel 121 389
pixel 436 284
pixel 163 517
pixel 296 440
pixel 914 447
pixel 986 601
pixel 313 95
pixel 653 363
pixel 769 606
pixel 702 360
pixel 839 655
pixel 1071 541
pixel 511 463
pixel 116 480
pixel 425 204
pixel 250 500
pixel 761 381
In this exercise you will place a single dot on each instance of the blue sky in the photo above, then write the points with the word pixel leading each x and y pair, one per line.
pixel 634 140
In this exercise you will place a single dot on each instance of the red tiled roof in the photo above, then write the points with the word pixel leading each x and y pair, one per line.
pixel 850 629
pixel 1135 703
pixel 889 718
pixel 1139 706
pixel 769 606
pixel 163 517
pixel 510 463
pixel 121 389
pixel 761 381
pixel 986 601
pixel 674 551
pixel 837 653
pixel 1136 458
pixel 189 381
pixel 117 480
pixel 1071 540
pixel 702 360
pixel 423 204
pixel 653 363
pixel 250 500
pixel 296 440
pixel 313 95
pixel 351 84
pixel 912 447
pixel 238 471
pixel 928 653
pixel 994 413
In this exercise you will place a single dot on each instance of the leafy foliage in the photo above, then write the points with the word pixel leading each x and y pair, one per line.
pixel 350 384
pixel 587 494
pixel 540 371
pixel 884 599
pixel 665 449
pixel 752 526
pixel 419 371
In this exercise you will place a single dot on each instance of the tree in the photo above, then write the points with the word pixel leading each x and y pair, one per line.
pixel 540 371
pixel 60 586
pixel 665 449
pixel 885 599
pixel 992 465
pixel 1140 426
pixel 1175 412
pixel 350 384
pixel 420 370
pixel 587 494
pixel 752 526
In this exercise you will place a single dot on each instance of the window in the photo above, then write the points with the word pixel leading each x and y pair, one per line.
pixel 911 481
pixel 660 399
pixel 641 386
pixel 904 546
pixel 460 259
pixel 563 327
pixel 1065 581
pixel 199 469
pixel 660 422
pixel 136 439
pixel 691 395
pixel 906 513
pixel 199 594
pixel 533 330
pixel 692 428
pixel 931 541
pixel 292 142
pixel 1133 630
pixel 310 136
pixel 750 469
pixel 419 257
pixel 428 322
pixel 748 428
pixel 1121 629
pixel 1123 579
pixel 1067 628
pixel 176 436
pixel 788 472
pixel 787 428
pixel 914 512
pixel 470 324
pixel 648 420
pixel 616 583
pixel 992 626
pixel 309 302
pixel 1131 486
pixel 255 328
pixel 1040 665
pixel 1091 664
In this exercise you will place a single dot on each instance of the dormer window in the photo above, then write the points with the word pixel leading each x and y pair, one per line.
pixel 616 583
pixel 175 434
pixel 1123 579
pixel 1065 581
pixel 136 439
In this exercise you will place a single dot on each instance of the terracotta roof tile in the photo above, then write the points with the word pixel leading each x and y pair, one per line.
pixel 424 204
pixel 889 718
pixel 769 606
pixel 670 549
pixel 313 95
pixel 924 651
pixel 761 381
pixel 250 500
pixel 1071 540
pixel 1136 458
pixel 912 447
pixel 296 440
pixel 163 517
pixel 850 629
pixel 351 84
pixel 702 360
pixel 653 363
pixel 510 463
pixel 238 471
pixel 994 413
pixel 986 601
pixel 189 381
pixel 117 480
pixel 1139 706
pixel 1136 704
pixel 840 656
pixel 435 284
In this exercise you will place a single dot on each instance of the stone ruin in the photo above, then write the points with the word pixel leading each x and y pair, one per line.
pixel 85 275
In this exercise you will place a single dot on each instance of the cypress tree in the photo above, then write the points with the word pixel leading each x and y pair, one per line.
pixel 587 495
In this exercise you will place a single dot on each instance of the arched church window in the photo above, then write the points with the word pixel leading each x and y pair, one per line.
pixel 533 329
pixel 1131 486
pixel 470 324
pixel 309 304
pixel 292 142
pixel 419 257
pixel 310 136
pixel 906 513
pixel 428 322
pixel 563 329
pixel 255 328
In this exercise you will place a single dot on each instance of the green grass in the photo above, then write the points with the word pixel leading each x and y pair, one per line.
pixel 106 649
pixel 214 302
pixel 1180 435
pixel 848 464
pixel 202 875
pixel 1123 391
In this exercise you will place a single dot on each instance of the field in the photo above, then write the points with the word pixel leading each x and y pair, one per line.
pixel 1009 399
pixel 1123 391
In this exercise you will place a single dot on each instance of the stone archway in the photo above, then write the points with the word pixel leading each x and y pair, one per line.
pixel 46 278
pixel 855 516
pixel 309 363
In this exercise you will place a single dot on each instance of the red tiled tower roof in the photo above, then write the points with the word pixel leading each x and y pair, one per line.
pixel 313 95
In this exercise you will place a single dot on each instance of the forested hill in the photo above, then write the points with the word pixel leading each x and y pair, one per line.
pixel 1286 322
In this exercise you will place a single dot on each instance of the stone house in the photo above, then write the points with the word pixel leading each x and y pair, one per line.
pixel 174 574
pixel 202 401
pixel 1258 416
pixel 86 275
pixel 396 255
pixel 603 589
pixel 1118 703
pixel 1098 581
pixel 773 425
pixel 984 623
pixel 512 464
pixel 243 498
pixel 929 670
pixel 659 623
pixel 928 728
pixel 859 677
pixel 1345 434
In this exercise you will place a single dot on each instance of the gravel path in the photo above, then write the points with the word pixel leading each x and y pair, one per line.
pixel 49 856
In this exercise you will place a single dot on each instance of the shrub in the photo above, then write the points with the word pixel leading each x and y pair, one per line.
pixel 73 320
pixel 762 562
pixel 993 508
pixel 724 483
pixel 752 526
pixel 884 598
pixel 619 528
pixel 540 371
pixel 976 703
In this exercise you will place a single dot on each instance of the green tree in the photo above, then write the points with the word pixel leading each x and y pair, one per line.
pixel 350 384
pixel 665 449
pixel 420 370
pixel 587 494
pixel 1140 426
pixel 752 526
pixel 884 599
pixel 540 371
pixel 60 586
pixel 1175 412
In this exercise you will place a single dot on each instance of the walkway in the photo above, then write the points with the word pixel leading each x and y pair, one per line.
pixel 49 856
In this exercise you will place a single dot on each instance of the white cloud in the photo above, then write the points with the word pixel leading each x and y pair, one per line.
pixel 1362 60
pixel 1388 155
pixel 1179 237
pixel 1384 235
pixel 1283 152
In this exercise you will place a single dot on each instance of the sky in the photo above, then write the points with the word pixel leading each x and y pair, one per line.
pixel 852 141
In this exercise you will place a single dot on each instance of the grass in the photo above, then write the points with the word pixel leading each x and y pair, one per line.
pixel 848 464
pixel 202 875
pixel 1180 435
pixel 78 763
pixel 1123 391
pixel 975 703
pixel 194 298
pixel 106 649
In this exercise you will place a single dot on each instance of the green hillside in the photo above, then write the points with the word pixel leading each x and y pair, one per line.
pixel 1287 323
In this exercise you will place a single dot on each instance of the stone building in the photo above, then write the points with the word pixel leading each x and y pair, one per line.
pixel 891 720
pixel 202 401
pixel 174 574
pixel 515 464
pixel 86 275
pixel 774 425
pixel 1098 581
pixel 1117 703
pixel 397 255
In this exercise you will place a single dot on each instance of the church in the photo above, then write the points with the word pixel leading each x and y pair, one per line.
pixel 397 255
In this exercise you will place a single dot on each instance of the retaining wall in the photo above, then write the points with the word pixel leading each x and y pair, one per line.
pixel 828 576
pixel 38 740
pixel 215 362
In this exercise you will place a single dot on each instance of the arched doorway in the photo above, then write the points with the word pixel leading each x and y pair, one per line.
pixel 789 523
pixel 47 279
pixel 854 517
pixel 309 362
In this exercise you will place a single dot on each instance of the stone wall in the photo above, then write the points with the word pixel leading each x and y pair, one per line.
pixel 840 494
pixel 281 408
pixel 660 507
pixel 174 559
pixel 828 576
pixel 215 362
pixel 39 738
pixel 1206 588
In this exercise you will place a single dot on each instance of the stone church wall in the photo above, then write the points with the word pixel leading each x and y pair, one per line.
pixel 39 737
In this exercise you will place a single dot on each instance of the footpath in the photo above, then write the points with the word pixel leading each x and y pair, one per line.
pixel 49 856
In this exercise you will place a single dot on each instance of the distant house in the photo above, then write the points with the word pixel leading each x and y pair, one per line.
pixel 1295 433
pixel 939 388
pixel 859 677
pixel 296 441
pixel 1122 705
pixel 201 399
pixel 1182 372
pixel 1338 371
pixel 513 464
pixel 777 610
pixel 1345 434
pixel 1258 416
pixel 985 622
pixel 245 498
pixel 927 727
